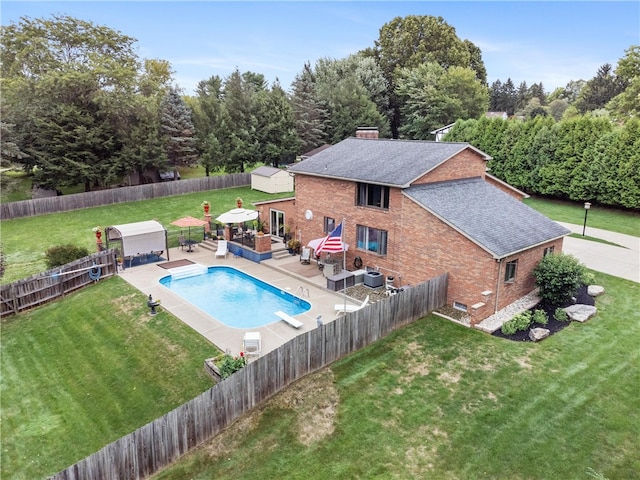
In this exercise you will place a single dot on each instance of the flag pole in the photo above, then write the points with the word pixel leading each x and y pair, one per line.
pixel 344 262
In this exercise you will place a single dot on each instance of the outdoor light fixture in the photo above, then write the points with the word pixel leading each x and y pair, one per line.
pixel 587 206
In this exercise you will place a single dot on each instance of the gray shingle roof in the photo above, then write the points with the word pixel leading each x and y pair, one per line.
pixel 266 171
pixel 491 218
pixel 381 161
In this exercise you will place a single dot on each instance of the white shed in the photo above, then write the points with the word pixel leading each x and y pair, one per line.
pixel 271 180
pixel 139 238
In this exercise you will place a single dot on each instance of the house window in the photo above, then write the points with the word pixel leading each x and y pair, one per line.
pixel 548 251
pixel 373 195
pixel 329 224
pixel 510 271
pixel 372 239
pixel 460 306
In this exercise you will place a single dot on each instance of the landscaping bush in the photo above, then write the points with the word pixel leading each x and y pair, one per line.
pixel 517 323
pixel 540 317
pixel 230 364
pixel 560 315
pixel 558 276
pixel 63 254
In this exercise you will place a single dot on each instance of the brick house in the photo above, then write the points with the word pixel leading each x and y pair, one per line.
pixel 416 209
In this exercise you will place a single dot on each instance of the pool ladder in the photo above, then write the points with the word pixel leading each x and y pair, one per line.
pixel 302 291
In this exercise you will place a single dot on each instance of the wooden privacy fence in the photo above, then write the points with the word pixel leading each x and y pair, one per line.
pixel 161 442
pixel 77 201
pixel 56 283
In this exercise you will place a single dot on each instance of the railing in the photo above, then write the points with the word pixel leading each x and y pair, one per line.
pixel 161 442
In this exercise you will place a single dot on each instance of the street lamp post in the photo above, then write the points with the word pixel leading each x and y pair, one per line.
pixel 587 206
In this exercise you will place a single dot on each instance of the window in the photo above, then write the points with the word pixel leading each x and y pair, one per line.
pixel 372 239
pixel 548 251
pixel 373 195
pixel 510 271
pixel 329 224
pixel 460 306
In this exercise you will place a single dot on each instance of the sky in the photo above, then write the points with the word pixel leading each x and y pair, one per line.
pixel 532 41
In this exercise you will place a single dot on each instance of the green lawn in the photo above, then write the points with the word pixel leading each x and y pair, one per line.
pixel 438 400
pixel 25 240
pixel 621 221
pixel 82 372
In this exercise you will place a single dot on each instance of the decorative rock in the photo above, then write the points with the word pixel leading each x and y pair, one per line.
pixel 595 290
pixel 580 312
pixel 537 334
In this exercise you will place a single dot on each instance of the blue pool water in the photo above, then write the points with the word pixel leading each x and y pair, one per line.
pixel 236 299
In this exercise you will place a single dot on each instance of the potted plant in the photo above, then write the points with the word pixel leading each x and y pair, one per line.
pixel 239 202
pixel 98 232
pixel 294 246
pixel 206 205
pixel 287 233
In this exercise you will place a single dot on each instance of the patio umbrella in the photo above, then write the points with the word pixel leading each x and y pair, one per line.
pixel 189 222
pixel 238 215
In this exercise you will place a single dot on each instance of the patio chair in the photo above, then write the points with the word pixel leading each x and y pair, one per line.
pixel 252 343
pixel 342 308
pixel 305 256
pixel 182 242
pixel 223 248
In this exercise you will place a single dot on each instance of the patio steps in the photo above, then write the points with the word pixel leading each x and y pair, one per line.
pixel 209 244
pixel 280 254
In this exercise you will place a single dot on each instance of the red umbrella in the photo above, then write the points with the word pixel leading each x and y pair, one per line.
pixel 189 222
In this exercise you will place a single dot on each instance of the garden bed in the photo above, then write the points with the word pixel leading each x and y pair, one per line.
pixel 552 325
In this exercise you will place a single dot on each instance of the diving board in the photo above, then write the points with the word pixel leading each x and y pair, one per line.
pixel 289 319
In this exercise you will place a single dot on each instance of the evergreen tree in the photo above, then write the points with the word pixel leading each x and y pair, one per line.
pixel 178 131
pixel 599 90
pixel 276 128
pixel 311 116
pixel 209 117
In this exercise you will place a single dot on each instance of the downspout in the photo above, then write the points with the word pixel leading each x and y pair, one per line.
pixel 498 285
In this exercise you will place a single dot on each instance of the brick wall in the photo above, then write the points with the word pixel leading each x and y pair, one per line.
pixel 420 246
pixel 466 164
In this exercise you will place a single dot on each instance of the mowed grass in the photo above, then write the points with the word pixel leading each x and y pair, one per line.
pixel 615 220
pixel 82 372
pixel 25 240
pixel 437 400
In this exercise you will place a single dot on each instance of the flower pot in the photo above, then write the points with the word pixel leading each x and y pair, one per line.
pixel 206 209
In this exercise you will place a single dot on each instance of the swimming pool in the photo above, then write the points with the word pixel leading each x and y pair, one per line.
pixel 236 299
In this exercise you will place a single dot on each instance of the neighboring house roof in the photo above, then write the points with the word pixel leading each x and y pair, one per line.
pixel 315 150
pixel 446 128
pixel 266 171
pixel 497 115
pixel 489 217
pixel 395 163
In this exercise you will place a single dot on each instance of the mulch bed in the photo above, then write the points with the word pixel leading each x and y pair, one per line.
pixel 552 325
pixel 175 263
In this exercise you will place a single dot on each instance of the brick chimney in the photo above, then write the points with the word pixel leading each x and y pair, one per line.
pixel 367 132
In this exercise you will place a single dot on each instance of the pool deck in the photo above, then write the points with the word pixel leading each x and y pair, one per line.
pixel 285 273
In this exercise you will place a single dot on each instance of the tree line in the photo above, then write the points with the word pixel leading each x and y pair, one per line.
pixel 586 158
pixel 79 107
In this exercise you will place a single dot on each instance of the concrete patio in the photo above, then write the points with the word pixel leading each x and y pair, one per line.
pixel 286 273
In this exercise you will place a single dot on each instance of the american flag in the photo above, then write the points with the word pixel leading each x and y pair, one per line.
pixel 332 243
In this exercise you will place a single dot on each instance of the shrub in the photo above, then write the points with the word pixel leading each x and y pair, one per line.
pixel 63 254
pixel 517 323
pixel 509 328
pixel 560 315
pixel 540 317
pixel 229 364
pixel 558 276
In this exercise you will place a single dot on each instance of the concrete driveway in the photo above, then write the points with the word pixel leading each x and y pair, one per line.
pixel 620 261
